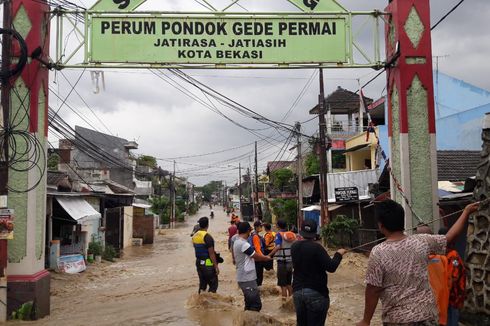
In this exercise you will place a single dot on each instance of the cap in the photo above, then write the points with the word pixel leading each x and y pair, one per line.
pixel 203 222
pixel 308 229
pixel 244 227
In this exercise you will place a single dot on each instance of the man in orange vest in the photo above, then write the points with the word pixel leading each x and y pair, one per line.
pixel 457 282
pixel 438 278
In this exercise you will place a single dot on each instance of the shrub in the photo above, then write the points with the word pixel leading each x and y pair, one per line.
pixel 25 312
pixel 95 248
pixel 109 253
pixel 193 208
pixel 334 232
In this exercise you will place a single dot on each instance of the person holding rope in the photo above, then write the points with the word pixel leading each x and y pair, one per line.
pixel 397 269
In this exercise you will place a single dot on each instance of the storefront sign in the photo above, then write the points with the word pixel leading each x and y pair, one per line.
pixel 346 194
pixel 218 40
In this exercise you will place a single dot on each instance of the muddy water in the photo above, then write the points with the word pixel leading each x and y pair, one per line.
pixel 157 285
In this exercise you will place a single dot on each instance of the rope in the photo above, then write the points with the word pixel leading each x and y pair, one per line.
pixel 482 203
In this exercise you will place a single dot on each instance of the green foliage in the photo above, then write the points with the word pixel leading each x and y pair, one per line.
pixel 147 160
pixel 340 226
pixel 210 188
pixel 109 253
pixel 161 207
pixel 53 161
pixel 285 209
pixel 25 312
pixel 282 177
pixel 312 163
pixel 95 248
pixel 192 209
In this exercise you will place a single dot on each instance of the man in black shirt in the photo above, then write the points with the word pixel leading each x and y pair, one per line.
pixel 310 264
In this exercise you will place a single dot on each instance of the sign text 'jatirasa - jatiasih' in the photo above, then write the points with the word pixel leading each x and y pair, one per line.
pixel 218 40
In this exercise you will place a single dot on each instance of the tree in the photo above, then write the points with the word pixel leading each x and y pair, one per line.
pixel 210 188
pixel 53 161
pixel 285 209
pixel 281 178
pixel 312 164
pixel 161 206
pixel 147 160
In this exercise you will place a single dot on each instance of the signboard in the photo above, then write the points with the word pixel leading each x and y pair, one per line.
pixel 346 194
pixel 218 40
pixel 71 264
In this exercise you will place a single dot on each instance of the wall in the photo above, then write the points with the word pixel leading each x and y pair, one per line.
pixel 478 246
pixel 461 130
pixel 128 226
pixel 355 160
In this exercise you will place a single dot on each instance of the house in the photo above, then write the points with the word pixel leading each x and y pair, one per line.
pixel 94 157
pixel 72 221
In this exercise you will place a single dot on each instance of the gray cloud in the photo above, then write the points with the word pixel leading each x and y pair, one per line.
pixel 138 105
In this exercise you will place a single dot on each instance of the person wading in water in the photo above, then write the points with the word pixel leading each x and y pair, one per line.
pixel 206 262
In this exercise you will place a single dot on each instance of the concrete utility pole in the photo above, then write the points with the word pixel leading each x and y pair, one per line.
pixel 323 153
pixel 174 191
pixel 300 174
pixel 240 187
pixel 257 206
pixel 4 154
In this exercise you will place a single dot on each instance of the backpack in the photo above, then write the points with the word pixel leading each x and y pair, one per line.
pixel 262 242
pixel 269 238
pixel 457 277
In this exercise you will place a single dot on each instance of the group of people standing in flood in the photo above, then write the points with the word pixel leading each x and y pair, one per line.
pixel 397 272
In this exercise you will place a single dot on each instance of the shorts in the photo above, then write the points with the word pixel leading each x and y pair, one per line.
pixel 284 273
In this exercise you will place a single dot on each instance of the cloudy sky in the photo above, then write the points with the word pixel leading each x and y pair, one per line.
pixel 138 105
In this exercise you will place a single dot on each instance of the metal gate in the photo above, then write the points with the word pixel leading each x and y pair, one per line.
pixel 114 227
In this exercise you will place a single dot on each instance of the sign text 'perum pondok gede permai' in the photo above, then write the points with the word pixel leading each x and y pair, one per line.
pixel 218 40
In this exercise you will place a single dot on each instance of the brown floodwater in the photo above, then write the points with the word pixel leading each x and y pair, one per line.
pixel 157 285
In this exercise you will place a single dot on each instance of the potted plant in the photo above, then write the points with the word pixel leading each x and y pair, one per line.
pixel 95 248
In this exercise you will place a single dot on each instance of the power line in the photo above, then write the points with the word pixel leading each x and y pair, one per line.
pixel 446 15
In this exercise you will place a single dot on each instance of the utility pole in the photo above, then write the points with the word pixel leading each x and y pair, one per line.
pixel 240 187
pixel 323 153
pixel 4 154
pixel 258 211
pixel 300 174
pixel 174 190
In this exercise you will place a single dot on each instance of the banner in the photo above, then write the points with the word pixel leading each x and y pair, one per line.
pixel 218 40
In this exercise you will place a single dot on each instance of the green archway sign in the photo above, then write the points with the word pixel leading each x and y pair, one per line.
pixel 320 34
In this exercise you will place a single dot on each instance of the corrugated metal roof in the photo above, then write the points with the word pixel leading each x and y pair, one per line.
pixel 360 179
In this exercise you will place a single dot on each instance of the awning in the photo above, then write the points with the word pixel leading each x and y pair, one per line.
pixel 78 208
pixel 333 207
pixel 311 208
pixel 145 206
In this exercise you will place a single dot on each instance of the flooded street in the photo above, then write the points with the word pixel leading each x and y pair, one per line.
pixel 157 285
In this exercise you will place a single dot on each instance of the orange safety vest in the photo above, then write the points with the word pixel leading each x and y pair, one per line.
pixel 439 282
pixel 269 238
